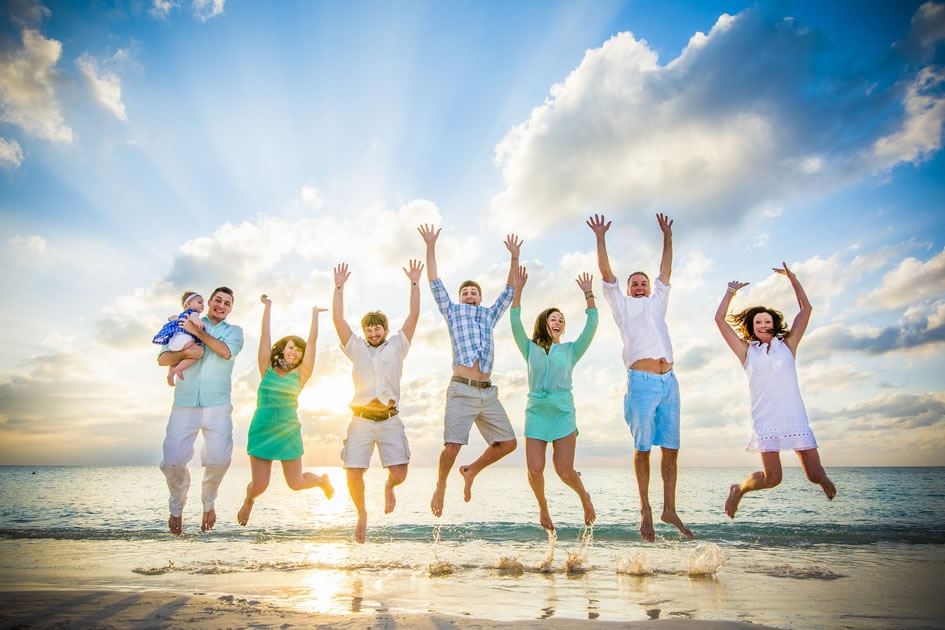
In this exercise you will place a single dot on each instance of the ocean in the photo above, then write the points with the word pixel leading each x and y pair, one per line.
pixel 872 558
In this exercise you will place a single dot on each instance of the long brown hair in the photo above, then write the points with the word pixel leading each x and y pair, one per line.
pixel 542 334
pixel 744 322
pixel 276 358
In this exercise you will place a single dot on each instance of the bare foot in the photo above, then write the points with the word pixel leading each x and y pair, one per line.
pixel 176 525
pixel 209 520
pixel 646 526
pixel 734 496
pixel 242 517
pixel 829 489
pixel 589 514
pixel 390 501
pixel 360 532
pixel 326 487
pixel 170 378
pixel 673 519
pixel 545 519
pixel 436 504
pixel 468 477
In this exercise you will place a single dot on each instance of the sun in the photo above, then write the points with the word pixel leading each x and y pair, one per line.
pixel 330 393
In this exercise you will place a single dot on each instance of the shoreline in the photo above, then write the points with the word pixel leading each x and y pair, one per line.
pixel 28 608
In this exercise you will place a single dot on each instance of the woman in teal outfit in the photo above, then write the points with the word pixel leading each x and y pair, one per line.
pixel 549 414
pixel 275 432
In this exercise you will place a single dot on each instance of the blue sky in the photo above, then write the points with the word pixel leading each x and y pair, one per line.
pixel 151 147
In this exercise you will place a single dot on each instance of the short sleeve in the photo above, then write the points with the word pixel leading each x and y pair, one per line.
pixel 233 339
pixel 402 344
pixel 351 348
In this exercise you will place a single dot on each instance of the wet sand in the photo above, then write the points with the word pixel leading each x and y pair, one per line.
pixel 152 610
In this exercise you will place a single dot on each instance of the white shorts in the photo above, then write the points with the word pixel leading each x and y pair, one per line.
pixel 363 434
pixel 466 404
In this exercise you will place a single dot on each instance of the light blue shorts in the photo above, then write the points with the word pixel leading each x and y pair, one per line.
pixel 651 408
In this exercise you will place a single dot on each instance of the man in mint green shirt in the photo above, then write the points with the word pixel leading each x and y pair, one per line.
pixel 202 404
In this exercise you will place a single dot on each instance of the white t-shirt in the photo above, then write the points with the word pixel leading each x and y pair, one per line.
pixel 642 322
pixel 376 371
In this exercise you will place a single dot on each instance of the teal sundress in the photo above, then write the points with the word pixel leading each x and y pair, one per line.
pixel 275 432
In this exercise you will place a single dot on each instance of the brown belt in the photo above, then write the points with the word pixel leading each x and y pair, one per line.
pixel 472 383
pixel 377 416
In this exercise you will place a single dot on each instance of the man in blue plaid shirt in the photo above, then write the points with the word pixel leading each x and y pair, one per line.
pixel 471 396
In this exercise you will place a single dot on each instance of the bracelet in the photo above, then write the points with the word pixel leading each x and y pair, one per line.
pixel 588 294
pixel 731 290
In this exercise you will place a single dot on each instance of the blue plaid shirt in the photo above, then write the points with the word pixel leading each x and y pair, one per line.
pixel 471 326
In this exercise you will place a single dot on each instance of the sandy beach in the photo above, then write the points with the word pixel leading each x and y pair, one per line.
pixel 145 610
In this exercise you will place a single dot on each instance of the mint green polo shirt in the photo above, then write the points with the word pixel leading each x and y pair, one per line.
pixel 207 382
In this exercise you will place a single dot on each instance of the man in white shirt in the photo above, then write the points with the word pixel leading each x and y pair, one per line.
pixel 377 362
pixel 651 405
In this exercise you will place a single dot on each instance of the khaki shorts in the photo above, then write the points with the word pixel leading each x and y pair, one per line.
pixel 466 404
pixel 363 434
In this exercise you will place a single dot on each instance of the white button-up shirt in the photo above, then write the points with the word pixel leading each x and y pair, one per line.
pixel 376 371
pixel 642 322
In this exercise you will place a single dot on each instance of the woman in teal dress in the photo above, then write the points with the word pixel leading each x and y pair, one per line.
pixel 549 414
pixel 275 432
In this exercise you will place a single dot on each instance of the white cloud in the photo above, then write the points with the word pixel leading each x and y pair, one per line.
pixel 161 8
pixel 11 155
pixel 927 30
pixel 27 88
pixel 740 120
pixel 311 197
pixel 207 9
pixel 105 86
pixel 910 281
pixel 34 244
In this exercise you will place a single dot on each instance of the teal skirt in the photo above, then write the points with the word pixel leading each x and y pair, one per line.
pixel 549 417
pixel 275 434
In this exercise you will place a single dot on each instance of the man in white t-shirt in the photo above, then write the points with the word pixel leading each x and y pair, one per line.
pixel 377 362
pixel 651 405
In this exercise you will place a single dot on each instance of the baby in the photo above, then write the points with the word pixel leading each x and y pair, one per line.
pixel 173 335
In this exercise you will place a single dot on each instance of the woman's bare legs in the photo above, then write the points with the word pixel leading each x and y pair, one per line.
pixel 563 458
pixel 261 469
pixel 535 460
pixel 761 480
pixel 810 461
pixel 298 480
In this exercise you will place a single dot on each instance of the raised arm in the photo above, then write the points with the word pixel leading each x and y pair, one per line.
pixel 738 345
pixel 519 278
pixel 586 283
pixel 429 237
pixel 265 338
pixel 308 359
pixel 599 225
pixel 666 262
pixel 338 304
pixel 514 245
pixel 803 316
pixel 413 274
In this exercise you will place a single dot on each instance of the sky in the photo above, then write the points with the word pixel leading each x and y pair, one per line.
pixel 147 148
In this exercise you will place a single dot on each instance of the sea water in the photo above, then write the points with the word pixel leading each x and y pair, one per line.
pixel 873 557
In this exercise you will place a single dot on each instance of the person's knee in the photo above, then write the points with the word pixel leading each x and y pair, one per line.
pixel 296 483
pixel 815 475
pixel 536 471
pixel 565 472
pixel 452 450
pixel 256 488
pixel 507 446
pixel 641 456
pixel 397 475
pixel 772 479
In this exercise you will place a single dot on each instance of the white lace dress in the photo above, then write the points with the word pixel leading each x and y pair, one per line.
pixel 778 417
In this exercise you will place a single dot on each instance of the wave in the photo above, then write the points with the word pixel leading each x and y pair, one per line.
pixel 737 534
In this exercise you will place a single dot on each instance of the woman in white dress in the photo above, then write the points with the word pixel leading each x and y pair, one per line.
pixel 766 349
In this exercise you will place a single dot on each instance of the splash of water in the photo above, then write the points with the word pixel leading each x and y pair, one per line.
pixel 636 563
pixel 509 565
pixel 156 570
pixel 546 565
pixel 576 561
pixel 438 567
pixel 705 559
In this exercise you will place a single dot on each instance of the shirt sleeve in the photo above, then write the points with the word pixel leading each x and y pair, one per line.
pixel 233 338
pixel 615 299
pixel 403 344
pixel 441 296
pixel 518 331
pixel 583 342
pixel 661 294
pixel 349 348
pixel 501 304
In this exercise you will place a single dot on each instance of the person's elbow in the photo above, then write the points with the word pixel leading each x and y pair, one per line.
pixel 163 360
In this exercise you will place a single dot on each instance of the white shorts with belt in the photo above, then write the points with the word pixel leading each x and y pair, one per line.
pixel 363 434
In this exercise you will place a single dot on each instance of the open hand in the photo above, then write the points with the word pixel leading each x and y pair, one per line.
pixel 341 274
pixel 428 234
pixel 666 224
pixel 784 271
pixel 585 281
pixel 513 244
pixel 413 273
pixel 317 311
pixel 599 224
pixel 519 277
pixel 735 285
